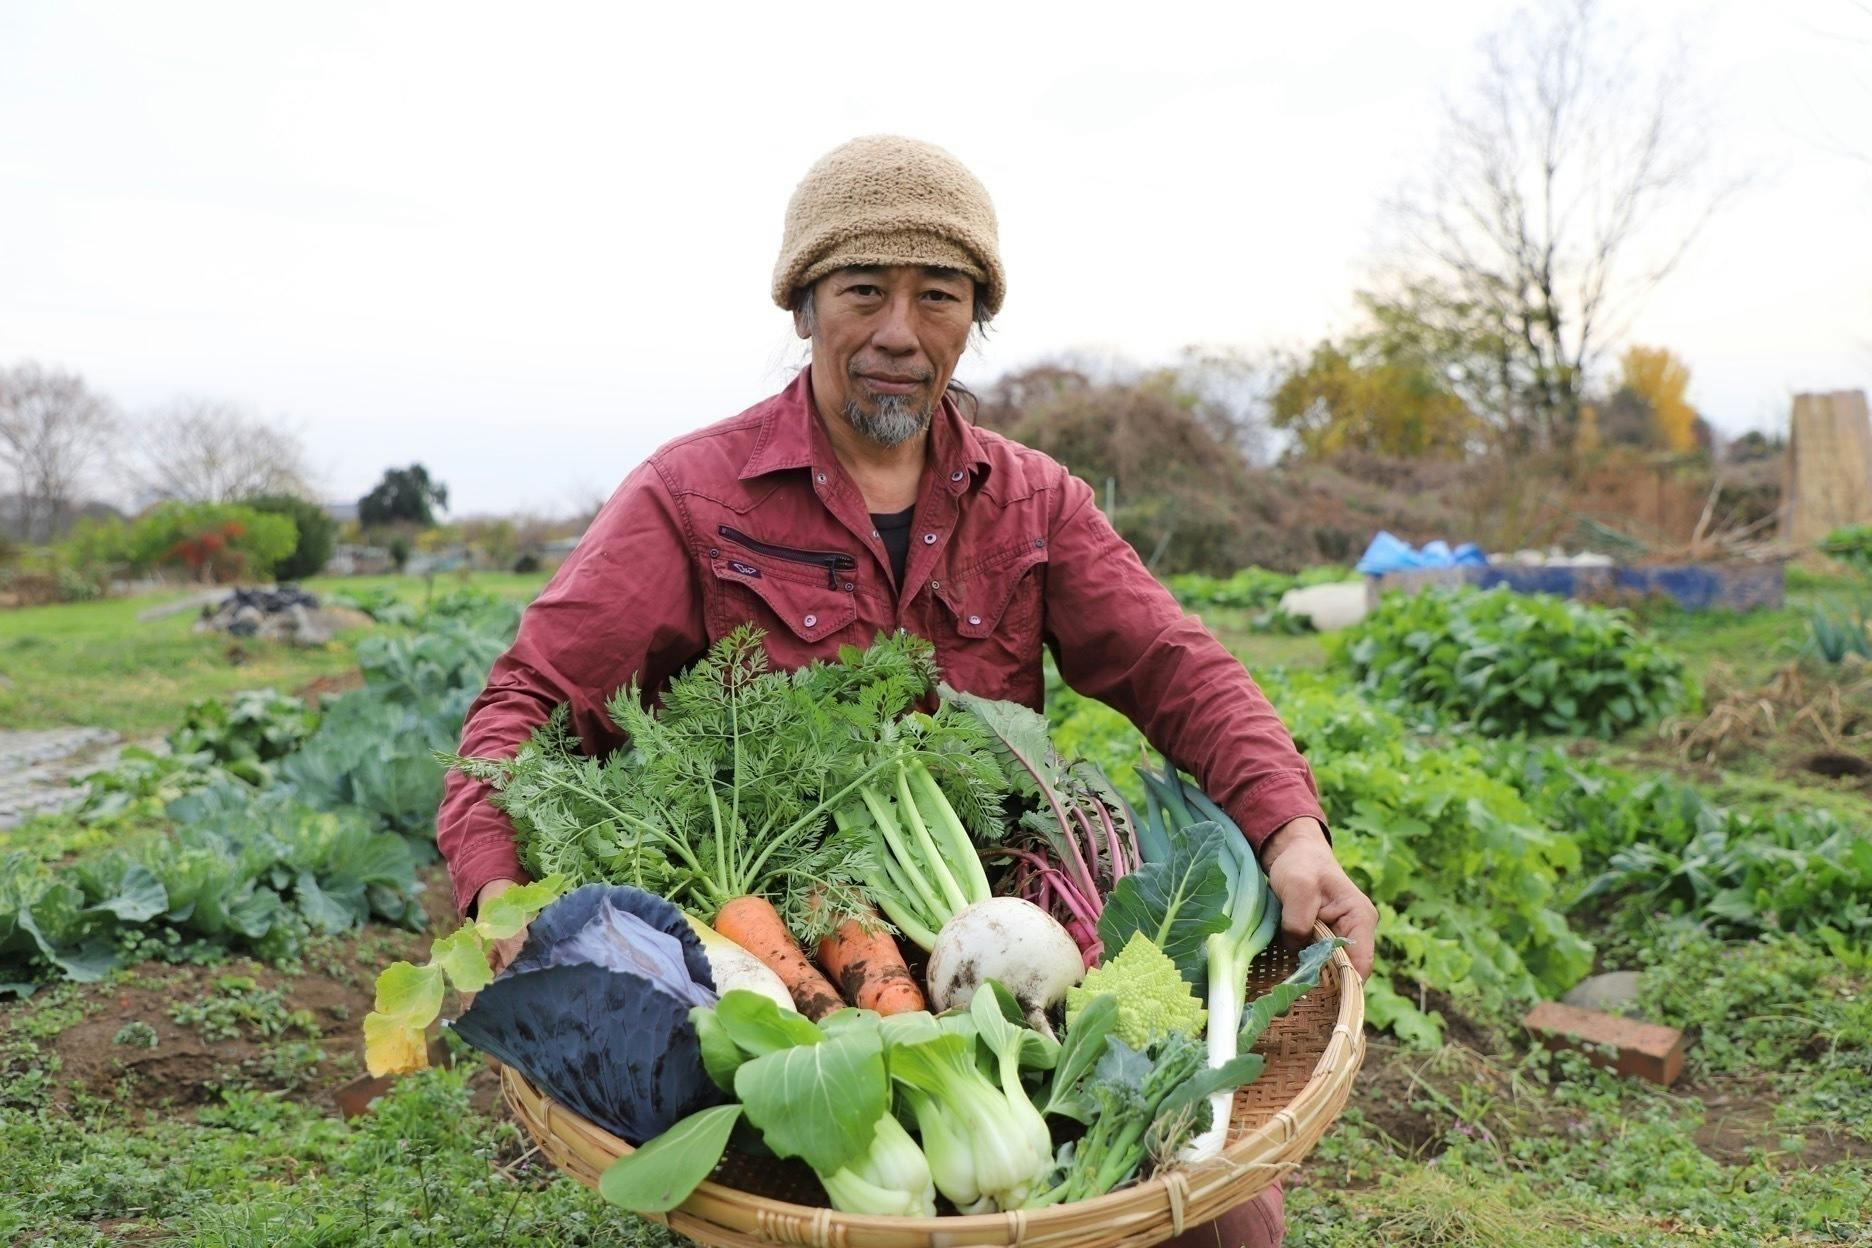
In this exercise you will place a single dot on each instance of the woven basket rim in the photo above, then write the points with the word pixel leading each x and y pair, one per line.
pixel 1330 1080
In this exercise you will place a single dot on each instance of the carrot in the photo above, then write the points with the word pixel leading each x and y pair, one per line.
pixel 869 969
pixel 757 927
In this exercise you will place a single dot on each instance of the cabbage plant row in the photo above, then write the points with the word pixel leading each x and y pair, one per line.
pixel 265 822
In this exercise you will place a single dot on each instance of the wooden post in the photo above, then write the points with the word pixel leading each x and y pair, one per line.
pixel 1827 481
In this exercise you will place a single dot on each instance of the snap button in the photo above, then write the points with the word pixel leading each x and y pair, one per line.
pixel 956 475
pixel 1039 542
pixel 714 552
pixel 974 619
pixel 819 477
pixel 874 532
pixel 935 584
pixel 849 587
pixel 929 539
pixel 810 621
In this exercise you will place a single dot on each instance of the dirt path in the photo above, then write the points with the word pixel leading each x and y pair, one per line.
pixel 36 768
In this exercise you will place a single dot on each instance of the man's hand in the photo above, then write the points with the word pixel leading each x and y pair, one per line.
pixel 1313 886
pixel 501 952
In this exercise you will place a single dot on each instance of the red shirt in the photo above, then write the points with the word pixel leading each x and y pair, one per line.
pixel 753 519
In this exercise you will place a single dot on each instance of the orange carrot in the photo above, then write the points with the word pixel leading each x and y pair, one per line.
pixel 757 927
pixel 869 969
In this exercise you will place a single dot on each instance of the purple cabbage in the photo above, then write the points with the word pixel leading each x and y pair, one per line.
pixel 595 1010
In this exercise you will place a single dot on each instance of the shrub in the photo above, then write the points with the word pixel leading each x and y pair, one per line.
pixel 1252 589
pixel 318 533
pixel 1852 546
pixel 1508 663
pixel 96 545
pixel 224 541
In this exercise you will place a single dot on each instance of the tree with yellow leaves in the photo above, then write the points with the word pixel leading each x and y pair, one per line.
pixel 1661 379
pixel 1333 401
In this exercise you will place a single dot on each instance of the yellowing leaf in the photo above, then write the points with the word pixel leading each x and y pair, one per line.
pixel 408 1000
pixel 393 1047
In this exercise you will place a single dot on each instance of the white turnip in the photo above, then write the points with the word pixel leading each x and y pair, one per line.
pixel 1013 942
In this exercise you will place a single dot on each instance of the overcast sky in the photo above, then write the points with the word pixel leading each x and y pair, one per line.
pixel 526 244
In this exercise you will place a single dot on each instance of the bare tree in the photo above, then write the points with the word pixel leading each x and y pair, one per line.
pixel 210 451
pixel 52 430
pixel 1567 185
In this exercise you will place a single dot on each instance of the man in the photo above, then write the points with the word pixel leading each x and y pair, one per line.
pixel 860 500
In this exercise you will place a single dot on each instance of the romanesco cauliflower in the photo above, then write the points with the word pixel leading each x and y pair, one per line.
pixel 1153 999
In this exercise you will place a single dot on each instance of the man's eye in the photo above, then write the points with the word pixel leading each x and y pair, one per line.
pixel 864 291
pixel 939 295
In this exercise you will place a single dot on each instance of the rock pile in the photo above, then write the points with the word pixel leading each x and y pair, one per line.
pixel 283 613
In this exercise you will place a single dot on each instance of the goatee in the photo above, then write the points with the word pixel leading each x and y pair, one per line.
pixel 895 421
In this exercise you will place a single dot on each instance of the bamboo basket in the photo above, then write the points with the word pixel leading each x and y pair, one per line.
pixel 1312 1054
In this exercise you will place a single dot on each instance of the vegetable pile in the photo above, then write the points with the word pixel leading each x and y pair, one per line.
pixel 726 970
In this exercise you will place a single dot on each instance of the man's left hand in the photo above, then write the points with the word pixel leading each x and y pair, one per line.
pixel 1313 886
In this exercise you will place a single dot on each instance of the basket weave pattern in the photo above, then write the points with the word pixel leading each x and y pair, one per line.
pixel 1313 1054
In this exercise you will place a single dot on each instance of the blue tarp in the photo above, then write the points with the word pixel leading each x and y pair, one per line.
pixel 1392 554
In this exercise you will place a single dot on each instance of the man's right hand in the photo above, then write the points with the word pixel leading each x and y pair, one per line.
pixel 501 952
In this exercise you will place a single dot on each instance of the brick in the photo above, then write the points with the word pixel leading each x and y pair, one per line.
pixel 1644 1050
pixel 361 1093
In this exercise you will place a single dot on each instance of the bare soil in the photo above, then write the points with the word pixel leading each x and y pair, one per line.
pixel 185 1069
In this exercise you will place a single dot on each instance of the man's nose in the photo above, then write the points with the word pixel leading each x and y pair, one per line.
pixel 895 330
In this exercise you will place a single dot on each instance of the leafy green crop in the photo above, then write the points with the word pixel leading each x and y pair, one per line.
pixel 239 870
pixel 1471 882
pixel 1509 663
pixel 1252 589
pixel 247 733
pixel 266 830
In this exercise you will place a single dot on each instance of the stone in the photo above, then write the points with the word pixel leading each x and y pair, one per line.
pixel 1327 607
pixel 1644 1050
pixel 1615 992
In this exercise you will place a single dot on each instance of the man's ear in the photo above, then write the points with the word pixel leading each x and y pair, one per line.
pixel 799 324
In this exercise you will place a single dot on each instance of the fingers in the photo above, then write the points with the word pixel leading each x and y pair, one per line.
pixel 505 951
pixel 500 954
pixel 1300 905
pixel 1354 917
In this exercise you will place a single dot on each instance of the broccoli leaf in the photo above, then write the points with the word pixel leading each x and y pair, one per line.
pixel 1178 903
pixel 1083 1046
pixel 1276 1001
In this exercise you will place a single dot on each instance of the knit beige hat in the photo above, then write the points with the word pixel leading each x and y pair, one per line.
pixel 889 200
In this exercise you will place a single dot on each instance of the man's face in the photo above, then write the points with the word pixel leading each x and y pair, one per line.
pixel 885 342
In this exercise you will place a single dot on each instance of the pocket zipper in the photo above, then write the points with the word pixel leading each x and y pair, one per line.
pixel 832 561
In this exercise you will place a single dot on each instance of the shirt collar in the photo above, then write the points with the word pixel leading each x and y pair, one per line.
pixel 791 436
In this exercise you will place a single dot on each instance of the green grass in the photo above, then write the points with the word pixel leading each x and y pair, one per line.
pixel 1759 1145
pixel 513 586
pixel 95 664
pixel 255 1170
pixel 1749 646
pixel 1262 650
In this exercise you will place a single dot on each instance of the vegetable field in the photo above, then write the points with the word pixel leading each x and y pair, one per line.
pixel 1530 791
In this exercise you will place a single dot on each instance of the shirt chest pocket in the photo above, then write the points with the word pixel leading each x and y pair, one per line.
pixel 999 599
pixel 784 597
